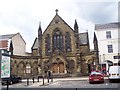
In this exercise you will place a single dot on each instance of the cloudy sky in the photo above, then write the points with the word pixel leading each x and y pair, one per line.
pixel 23 16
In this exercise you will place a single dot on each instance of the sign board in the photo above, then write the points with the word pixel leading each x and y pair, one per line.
pixel 116 57
pixel 5 66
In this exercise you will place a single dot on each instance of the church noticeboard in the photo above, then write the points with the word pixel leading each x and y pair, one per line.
pixel 5 66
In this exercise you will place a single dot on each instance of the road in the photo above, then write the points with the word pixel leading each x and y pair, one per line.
pixel 66 84
pixel 81 84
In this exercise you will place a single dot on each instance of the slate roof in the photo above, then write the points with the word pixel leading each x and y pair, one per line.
pixel 6 37
pixel 9 36
pixel 83 37
pixel 35 44
pixel 107 26
pixel 57 16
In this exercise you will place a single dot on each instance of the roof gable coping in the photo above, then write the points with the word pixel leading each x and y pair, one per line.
pixel 57 16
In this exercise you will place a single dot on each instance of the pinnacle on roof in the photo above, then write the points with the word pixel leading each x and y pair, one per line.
pixel 56 11
pixel 76 26
pixel 39 30
pixel 95 38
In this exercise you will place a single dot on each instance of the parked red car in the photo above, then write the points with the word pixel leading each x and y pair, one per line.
pixel 96 76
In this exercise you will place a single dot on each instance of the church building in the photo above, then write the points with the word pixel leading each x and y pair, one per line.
pixel 64 50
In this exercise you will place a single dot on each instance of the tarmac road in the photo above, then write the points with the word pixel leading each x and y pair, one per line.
pixel 62 89
pixel 65 84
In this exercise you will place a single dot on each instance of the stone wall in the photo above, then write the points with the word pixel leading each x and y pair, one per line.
pixel 24 66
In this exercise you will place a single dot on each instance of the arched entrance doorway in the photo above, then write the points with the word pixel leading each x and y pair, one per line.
pixel 58 66
pixel 61 67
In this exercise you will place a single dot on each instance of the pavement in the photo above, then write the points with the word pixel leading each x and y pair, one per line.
pixel 40 83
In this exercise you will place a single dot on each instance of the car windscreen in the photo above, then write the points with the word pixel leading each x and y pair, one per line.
pixel 95 73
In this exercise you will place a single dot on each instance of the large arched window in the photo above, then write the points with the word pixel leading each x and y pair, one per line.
pixel 67 41
pixel 47 44
pixel 57 40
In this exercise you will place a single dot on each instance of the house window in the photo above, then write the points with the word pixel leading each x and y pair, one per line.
pixel 108 34
pixel 110 49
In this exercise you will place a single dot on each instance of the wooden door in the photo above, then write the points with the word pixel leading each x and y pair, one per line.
pixel 55 68
pixel 61 67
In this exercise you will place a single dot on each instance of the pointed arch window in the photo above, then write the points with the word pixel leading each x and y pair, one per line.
pixel 47 44
pixel 57 40
pixel 67 41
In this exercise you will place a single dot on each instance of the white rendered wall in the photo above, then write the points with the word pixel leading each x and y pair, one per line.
pixel 103 42
pixel 19 45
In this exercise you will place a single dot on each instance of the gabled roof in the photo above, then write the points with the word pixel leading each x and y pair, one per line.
pixel 107 25
pixel 6 37
pixel 95 38
pixel 57 16
pixel 10 36
pixel 35 44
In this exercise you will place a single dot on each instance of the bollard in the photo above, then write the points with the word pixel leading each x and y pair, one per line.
pixel 27 81
pixel 48 79
pixel 51 79
pixel 33 79
pixel 43 80
pixel 38 78
pixel 7 85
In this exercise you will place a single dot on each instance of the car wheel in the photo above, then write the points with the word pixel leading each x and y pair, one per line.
pixel 110 81
pixel 11 82
pixel 20 80
pixel 90 82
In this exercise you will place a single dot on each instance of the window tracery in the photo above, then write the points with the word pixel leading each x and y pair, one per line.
pixel 67 41
pixel 47 44
pixel 57 40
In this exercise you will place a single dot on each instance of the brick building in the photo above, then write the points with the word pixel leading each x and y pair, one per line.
pixel 14 43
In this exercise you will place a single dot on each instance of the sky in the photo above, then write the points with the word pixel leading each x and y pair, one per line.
pixel 23 16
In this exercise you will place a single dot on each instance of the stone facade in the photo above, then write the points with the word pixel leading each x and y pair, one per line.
pixel 24 66
pixel 62 50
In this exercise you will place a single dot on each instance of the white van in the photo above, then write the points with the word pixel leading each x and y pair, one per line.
pixel 114 73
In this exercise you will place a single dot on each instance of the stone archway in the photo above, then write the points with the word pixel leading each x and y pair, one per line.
pixel 71 66
pixel 58 66
pixel 90 65
pixel 35 68
pixel 14 68
pixel 21 70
